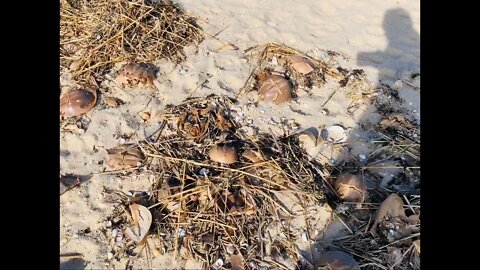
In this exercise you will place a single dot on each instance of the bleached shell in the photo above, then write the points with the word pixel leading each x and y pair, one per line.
pixel 337 134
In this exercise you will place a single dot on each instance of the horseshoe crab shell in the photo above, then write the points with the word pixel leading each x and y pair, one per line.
pixel 301 64
pixel 77 102
pixel 275 89
pixel 223 154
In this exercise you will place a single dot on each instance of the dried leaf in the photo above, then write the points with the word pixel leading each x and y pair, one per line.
pixel 113 102
pixel 223 124
pixel 122 158
pixel 416 243
pixel 142 220
pixel 395 121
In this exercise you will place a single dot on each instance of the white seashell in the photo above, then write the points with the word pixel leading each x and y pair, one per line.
pixel 272 24
pixel 337 134
pixel 204 172
pixel 217 264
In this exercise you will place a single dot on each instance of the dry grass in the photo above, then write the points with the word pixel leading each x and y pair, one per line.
pixel 273 58
pixel 94 35
pixel 398 143
pixel 206 216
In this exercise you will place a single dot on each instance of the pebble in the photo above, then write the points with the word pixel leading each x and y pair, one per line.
pixel 230 249
pixel 181 232
pixel 109 255
pixel 183 71
pixel 204 172
pixel 119 238
pixel 362 157
pixel 271 24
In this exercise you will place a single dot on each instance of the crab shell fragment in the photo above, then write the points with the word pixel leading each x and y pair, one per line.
pixel 392 206
pixel 120 158
pixel 276 89
pixel 337 260
pixel 301 64
pixel 351 188
pixel 223 154
pixel 134 74
pixel 252 155
pixel 77 102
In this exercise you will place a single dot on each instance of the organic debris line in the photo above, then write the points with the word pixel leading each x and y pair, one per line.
pixel 101 33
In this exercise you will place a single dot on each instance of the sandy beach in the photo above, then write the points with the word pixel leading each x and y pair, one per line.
pixel 382 37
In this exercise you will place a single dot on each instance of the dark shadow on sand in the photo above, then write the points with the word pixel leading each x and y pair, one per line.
pixel 403 49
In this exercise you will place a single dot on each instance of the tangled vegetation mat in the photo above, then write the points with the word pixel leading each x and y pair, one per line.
pixel 230 197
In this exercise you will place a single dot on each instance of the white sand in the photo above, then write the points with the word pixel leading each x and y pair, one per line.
pixel 379 36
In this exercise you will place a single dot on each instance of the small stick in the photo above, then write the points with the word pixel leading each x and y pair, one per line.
pixel 401 258
pixel 343 223
pixel 329 97
pixel 408 203
pixel 399 240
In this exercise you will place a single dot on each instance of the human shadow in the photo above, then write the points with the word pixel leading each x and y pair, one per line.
pixel 400 57
pixel 403 49
pixel 73 264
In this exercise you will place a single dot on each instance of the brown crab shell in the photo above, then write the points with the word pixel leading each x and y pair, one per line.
pixel 223 154
pixel 77 102
pixel 276 89
pixel 301 64
pixel 351 188
pixel 134 73
pixel 252 155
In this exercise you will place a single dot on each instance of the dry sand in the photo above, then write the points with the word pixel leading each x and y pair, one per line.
pixel 379 36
